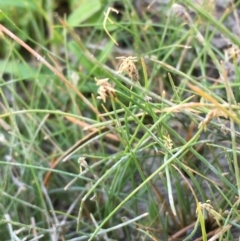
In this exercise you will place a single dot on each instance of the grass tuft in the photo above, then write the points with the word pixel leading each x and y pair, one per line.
pixel 119 121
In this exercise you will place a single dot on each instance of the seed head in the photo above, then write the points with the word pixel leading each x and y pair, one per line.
pixel 105 89
pixel 127 66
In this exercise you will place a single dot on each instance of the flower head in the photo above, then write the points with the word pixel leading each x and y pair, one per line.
pixel 105 89
pixel 127 66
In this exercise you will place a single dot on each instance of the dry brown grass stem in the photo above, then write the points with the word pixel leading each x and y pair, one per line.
pixel 109 19
pixel 221 107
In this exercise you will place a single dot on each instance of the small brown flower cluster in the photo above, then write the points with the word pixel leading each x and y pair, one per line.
pixel 212 114
pixel 127 66
pixel 168 142
pixel 105 89
pixel 233 52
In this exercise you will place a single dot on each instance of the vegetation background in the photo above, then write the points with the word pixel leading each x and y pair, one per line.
pixel 119 120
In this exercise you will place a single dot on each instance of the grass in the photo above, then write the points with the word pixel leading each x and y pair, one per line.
pixel 96 147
